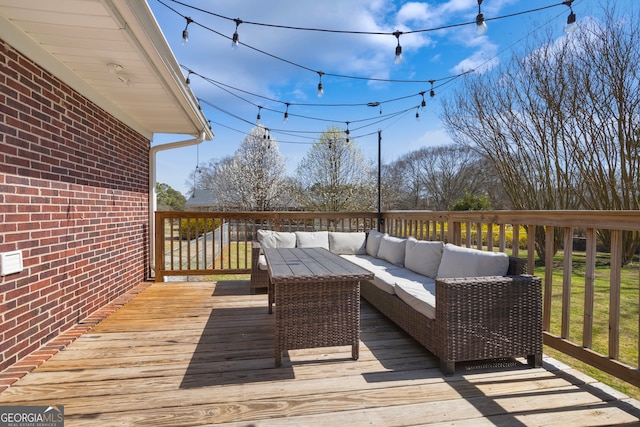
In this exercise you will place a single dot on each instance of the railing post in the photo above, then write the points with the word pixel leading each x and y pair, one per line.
pixel 614 295
pixel 159 247
pixel 566 281
pixel 548 276
pixel 589 288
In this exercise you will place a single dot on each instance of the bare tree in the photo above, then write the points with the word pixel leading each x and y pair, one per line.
pixel 560 121
pixel 436 177
pixel 335 175
pixel 253 179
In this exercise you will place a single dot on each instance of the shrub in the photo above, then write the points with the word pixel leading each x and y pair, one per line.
pixel 197 227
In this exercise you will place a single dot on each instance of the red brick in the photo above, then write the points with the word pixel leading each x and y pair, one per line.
pixel 73 198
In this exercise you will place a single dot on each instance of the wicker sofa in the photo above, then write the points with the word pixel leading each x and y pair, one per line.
pixel 461 304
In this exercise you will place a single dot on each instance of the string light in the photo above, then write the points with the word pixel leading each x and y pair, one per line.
pixel 398 58
pixel 185 32
pixel 571 19
pixel 235 39
pixel 299 134
pixel 481 25
pixel 231 90
pixel 258 116
pixel 418 114
pixel 188 80
pixel 320 88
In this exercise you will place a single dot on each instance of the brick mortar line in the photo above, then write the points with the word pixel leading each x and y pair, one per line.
pixel 33 360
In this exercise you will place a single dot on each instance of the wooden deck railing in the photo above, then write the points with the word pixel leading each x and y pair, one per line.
pixel 187 243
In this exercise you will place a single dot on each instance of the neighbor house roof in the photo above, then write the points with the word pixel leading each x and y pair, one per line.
pixel 201 198
pixel 76 40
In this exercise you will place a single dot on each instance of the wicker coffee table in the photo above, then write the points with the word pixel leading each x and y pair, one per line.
pixel 317 299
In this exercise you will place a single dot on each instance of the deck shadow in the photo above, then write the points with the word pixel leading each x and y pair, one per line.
pixel 236 345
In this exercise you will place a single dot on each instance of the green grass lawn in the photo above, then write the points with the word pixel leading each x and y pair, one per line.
pixel 629 301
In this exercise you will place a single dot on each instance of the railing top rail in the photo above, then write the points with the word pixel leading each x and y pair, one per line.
pixel 268 214
pixel 613 220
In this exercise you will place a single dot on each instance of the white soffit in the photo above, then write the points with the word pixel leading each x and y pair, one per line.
pixel 76 39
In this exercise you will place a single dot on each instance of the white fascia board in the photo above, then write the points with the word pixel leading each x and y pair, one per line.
pixel 147 34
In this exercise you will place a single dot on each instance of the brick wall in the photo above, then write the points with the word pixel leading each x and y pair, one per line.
pixel 73 199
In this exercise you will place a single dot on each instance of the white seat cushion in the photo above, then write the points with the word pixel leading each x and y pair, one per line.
pixel 312 239
pixel 262 262
pixel 419 295
pixel 370 263
pixel 386 279
pixel 384 272
pixel 458 261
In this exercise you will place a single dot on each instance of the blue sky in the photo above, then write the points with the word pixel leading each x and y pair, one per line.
pixel 232 83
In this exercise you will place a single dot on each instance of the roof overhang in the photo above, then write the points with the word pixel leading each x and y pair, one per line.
pixel 76 40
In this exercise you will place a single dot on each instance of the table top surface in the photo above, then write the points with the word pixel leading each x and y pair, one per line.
pixel 301 264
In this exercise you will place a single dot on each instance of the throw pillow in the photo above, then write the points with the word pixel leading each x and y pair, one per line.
pixel 347 243
pixel 312 239
pixel 392 249
pixel 458 261
pixel 276 239
pixel 373 242
pixel 423 256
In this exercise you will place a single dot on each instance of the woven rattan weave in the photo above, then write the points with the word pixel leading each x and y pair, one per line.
pixel 317 299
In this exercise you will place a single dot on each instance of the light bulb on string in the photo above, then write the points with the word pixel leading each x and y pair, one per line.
pixel 571 19
pixel 185 32
pixel 398 58
pixel 235 40
pixel 481 25
pixel 418 114
pixel 423 103
pixel 286 113
pixel 375 104
pixel 432 92
pixel 347 132
pixel 188 80
pixel 320 88
pixel 258 117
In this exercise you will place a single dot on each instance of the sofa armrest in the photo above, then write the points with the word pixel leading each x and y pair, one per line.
pixel 517 266
pixel 255 253
pixel 489 317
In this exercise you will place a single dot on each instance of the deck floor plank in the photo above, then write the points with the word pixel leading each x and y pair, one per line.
pixel 201 353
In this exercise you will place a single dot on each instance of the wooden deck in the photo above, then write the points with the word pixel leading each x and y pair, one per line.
pixel 201 353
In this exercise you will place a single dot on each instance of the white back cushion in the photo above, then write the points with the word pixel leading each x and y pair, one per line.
pixel 465 262
pixel 312 239
pixel 276 239
pixel 423 256
pixel 373 242
pixel 392 249
pixel 346 243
